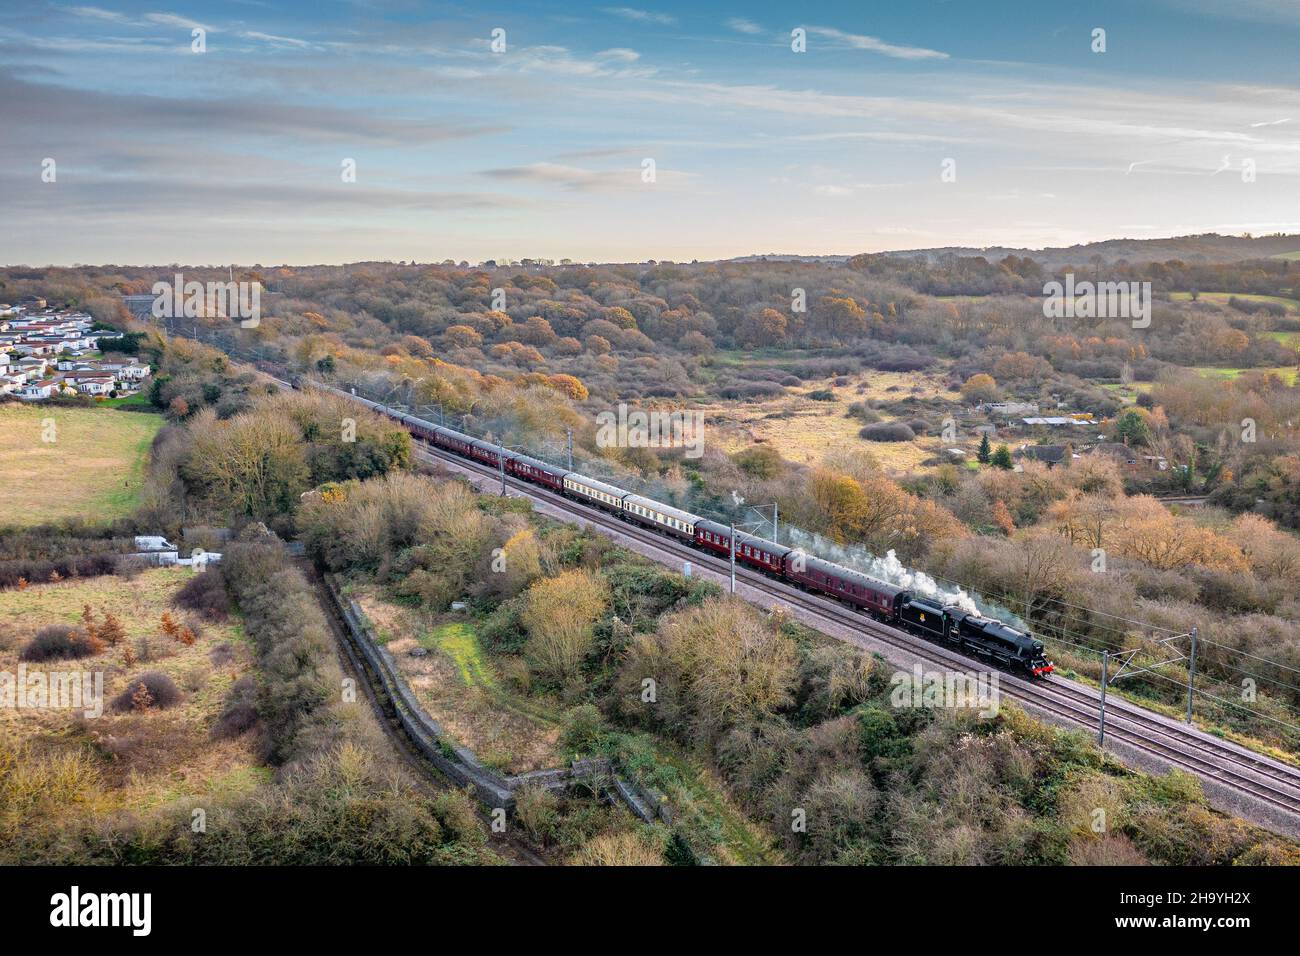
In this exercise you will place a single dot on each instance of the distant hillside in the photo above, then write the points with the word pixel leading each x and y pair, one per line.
pixel 1210 247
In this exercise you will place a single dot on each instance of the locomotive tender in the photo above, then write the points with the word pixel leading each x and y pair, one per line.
pixel 992 639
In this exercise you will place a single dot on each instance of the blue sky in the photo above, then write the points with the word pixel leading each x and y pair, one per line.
pixel 164 154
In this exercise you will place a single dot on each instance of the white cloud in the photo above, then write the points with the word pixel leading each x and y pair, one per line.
pixel 559 60
pixel 176 20
pixel 149 19
pixel 741 25
pixel 99 13
pixel 641 16
pixel 875 45
pixel 275 40
pixel 620 53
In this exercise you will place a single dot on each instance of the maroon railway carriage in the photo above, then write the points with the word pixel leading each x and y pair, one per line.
pixel 757 552
pixel 419 427
pixel 453 441
pixel 845 584
pixel 537 471
pixel 488 453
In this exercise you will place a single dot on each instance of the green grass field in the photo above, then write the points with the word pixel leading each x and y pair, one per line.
pixel 140 399
pixel 1286 373
pixel 93 467
pixel 1221 298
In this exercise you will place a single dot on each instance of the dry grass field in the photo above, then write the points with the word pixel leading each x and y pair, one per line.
pixel 94 467
pixel 804 430
pixel 135 759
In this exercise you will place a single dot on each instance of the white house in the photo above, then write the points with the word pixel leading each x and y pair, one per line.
pixel 37 391
pixel 128 371
pixel 32 347
pixel 95 384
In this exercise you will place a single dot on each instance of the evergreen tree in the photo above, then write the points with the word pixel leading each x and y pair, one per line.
pixel 1002 457
pixel 985 452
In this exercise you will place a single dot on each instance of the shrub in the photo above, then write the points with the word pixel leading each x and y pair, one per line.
pixel 57 642
pixel 618 849
pixel 295 650
pixel 715 665
pixel 1111 849
pixel 583 727
pixel 222 654
pixel 750 390
pixel 18 573
pixel 239 712
pixel 761 461
pixel 150 689
pixel 895 358
pixel 887 431
pixel 503 631
pixel 538 811
pixel 205 594
pixel 343 806
pixel 110 630
pixel 981 387
pixel 863 411
pixel 559 613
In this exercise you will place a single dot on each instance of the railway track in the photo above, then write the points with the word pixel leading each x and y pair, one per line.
pixel 1271 783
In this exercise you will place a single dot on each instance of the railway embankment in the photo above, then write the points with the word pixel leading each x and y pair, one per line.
pixel 460 764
